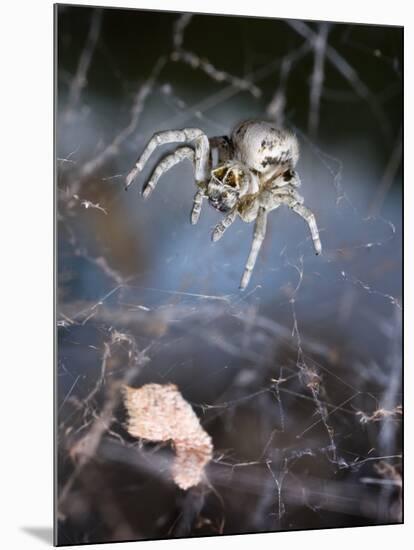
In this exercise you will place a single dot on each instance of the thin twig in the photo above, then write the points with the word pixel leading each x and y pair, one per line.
pixel 80 79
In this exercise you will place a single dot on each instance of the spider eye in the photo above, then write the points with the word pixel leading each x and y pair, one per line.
pixel 288 175
pixel 231 179
pixel 219 173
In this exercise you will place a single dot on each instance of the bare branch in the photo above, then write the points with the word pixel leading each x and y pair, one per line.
pixel 137 107
pixel 80 79
pixel 318 76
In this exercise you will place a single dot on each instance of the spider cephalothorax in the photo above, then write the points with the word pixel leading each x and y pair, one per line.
pixel 254 174
pixel 228 183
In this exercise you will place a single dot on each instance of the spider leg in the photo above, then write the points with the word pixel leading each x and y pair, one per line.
pixel 292 199
pixel 198 200
pixel 201 145
pixel 309 218
pixel 164 165
pixel 225 223
pixel 223 146
pixel 258 237
pixel 295 179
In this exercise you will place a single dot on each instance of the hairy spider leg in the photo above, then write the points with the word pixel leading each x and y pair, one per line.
pixel 165 164
pixel 225 223
pixel 309 218
pixel 258 237
pixel 197 203
pixel 201 154
pixel 294 204
pixel 222 145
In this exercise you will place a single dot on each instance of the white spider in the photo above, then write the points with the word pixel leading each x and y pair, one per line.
pixel 252 173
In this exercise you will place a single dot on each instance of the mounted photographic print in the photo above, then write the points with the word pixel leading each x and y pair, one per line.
pixel 229 275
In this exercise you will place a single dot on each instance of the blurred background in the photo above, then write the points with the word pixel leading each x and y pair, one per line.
pixel 297 379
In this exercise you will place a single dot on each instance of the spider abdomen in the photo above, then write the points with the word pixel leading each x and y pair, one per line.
pixel 263 147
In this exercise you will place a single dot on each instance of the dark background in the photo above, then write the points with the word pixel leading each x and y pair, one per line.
pixel 287 455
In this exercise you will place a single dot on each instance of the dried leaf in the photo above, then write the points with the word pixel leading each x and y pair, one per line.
pixel 159 413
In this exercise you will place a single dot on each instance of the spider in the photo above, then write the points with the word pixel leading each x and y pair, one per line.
pixel 245 176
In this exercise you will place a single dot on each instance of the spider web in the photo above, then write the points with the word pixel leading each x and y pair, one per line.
pixel 298 379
